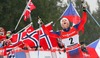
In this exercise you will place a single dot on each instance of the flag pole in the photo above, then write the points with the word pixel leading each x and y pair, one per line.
pixel 30 16
pixel 21 16
pixel 31 19
pixel 84 5
pixel 25 27
pixel 93 17
pixel 39 36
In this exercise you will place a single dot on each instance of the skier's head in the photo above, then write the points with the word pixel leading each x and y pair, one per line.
pixel 2 31
pixel 8 32
pixel 64 23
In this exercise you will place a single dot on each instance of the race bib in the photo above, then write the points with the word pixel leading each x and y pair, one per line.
pixel 71 41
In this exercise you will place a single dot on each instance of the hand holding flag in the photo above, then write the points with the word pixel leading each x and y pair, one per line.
pixel 39 21
pixel 26 13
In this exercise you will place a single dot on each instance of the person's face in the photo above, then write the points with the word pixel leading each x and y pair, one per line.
pixel 65 23
pixel 9 32
pixel 1 33
pixel 1 29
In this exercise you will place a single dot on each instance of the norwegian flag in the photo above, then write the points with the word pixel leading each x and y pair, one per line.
pixel 15 38
pixel 28 10
pixel 29 29
pixel 31 37
pixel 46 41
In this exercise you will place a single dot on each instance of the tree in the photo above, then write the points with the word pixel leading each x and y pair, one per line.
pixel 48 10
pixel 10 12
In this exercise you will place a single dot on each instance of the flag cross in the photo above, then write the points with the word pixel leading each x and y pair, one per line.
pixel 18 39
pixel 47 40
pixel 31 38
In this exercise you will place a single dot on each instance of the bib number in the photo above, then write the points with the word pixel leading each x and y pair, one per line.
pixel 71 40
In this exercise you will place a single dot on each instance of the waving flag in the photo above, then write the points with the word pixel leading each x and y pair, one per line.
pixel 76 53
pixel 31 37
pixel 15 38
pixel 28 10
pixel 46 41
pixel 94 49
pixel 29 29
pixel 71 14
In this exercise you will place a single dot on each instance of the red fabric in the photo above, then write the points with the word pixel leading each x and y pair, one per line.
pixel 19 44
pixel 48 30
pixel 30 37
pixel 33 41
pixel 26 15
pixel 45 40
pixel 21 37
pixel 73 19
pixel 14 38
pixel 92 52
pixel 2 37
pixel 29 29
pixel 83 21
pixel 71 14
pixel 79 54
pixel 76 53
pixel 68 34
pixel 30 7
pixel 72 47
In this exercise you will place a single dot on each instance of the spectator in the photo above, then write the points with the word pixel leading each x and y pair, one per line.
pixel 1 44
pixel 8 34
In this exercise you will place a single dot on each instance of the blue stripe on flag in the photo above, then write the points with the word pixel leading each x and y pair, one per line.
pixel 74 52
pixel 71 11
pixel 94 44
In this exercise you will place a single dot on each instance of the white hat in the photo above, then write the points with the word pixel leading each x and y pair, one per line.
pixel 64 19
